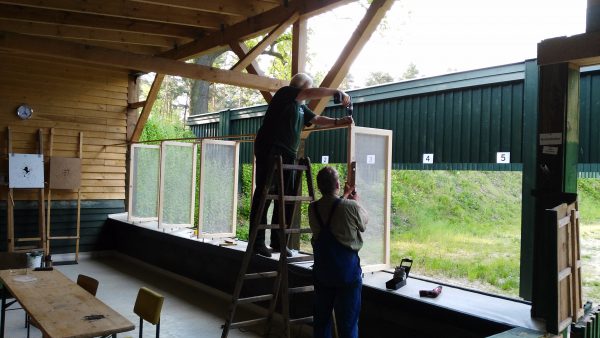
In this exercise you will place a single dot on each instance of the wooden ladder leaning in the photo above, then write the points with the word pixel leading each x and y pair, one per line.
pixel 281 288
pixel 35 243
pixel 77 236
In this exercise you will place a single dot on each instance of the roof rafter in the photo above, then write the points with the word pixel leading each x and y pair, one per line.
pixel 84 33
pixel 128 9
pixel 111 57
pixel 264 43
pixel 228 7
pixel 252 27
pixel 30 14
pixel 241 50
pixel 359 38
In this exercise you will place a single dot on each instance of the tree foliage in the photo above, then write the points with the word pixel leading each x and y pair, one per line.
pixel 376 78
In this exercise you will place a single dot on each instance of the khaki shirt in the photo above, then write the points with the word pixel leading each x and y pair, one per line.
pixel 347 223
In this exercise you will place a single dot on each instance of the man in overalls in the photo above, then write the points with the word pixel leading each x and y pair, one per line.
pixel 336 223
pixel 279 135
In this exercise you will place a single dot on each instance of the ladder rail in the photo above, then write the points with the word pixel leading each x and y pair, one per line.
pixel 281 288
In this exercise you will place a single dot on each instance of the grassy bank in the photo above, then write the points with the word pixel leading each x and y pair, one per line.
pixel 464 227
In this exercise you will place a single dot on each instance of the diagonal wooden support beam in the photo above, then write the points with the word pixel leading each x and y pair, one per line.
pixel 240 49
pixel 149 103
pixel 111 57
pixel 359 38
pixel 251 27
pixel 264 43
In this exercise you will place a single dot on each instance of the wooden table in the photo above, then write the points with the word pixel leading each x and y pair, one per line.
pixel 59 306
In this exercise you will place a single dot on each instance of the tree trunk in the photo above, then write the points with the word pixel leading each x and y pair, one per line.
pixel 199 92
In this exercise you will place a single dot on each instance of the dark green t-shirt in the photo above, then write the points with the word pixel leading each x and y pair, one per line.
pixel 283 123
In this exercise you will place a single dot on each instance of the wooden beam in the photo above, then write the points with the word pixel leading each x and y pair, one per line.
pixel 90 34
pixel 127 9
pixel 136 105
pixel 359 38
pixel 149 103
pixel 264 43
pixel 133 95
pixel 109 57
pixel 240 50
pixel 123 47
pixel 582 49
pixel 299 46
pixel 97 21
pixel 252 27
pixel 227 7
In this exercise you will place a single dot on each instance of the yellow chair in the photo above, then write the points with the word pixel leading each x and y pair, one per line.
pixel 148 305
pixel 88 283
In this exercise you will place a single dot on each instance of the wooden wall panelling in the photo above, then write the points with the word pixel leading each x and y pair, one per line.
pixel 71 98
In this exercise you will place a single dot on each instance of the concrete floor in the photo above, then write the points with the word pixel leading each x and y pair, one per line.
pixel 189 310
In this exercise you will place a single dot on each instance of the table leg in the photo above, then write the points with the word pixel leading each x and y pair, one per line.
pixel 3 311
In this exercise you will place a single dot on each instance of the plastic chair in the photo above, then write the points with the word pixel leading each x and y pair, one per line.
pixel 148 305
pixel 88 283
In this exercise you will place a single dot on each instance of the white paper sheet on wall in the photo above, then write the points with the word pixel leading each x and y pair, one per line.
pixel 25 171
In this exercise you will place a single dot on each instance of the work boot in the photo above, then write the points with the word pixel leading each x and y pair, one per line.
pixel 287 251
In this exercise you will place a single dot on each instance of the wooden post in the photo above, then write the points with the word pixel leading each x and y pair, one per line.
pixel 592 23
pixel 48 221
pixel 299 46
pixel 556 169
pixel 10 202
pixel 41 206
pixel 78 235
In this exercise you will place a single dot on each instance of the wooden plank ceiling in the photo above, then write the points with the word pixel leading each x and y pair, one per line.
pixel 174 29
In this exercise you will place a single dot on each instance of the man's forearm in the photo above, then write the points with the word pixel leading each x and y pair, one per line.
pixel 324 121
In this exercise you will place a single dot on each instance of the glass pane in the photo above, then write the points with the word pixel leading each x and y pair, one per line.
pixel 145 182
pixel 371 155
pixel 178 184
pixel 218 202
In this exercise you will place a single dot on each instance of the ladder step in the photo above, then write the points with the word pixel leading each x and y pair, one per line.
pixel 257 275
pixel 303 320
pixel 290 198
pixel 301 289
pixel 248 323
pixel 294 167
pixel 27 249
pixel 64 237
pixel 28 239
pixel 298 231
pixel 269 226
pixel 298 259
pixel 254 299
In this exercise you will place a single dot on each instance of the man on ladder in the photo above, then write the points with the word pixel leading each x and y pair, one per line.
pixel 279 135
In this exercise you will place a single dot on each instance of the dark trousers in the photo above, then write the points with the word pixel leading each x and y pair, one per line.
pixel 345 300
pixel 264 163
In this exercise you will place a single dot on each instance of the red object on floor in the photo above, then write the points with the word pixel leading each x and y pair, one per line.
pixel 431 293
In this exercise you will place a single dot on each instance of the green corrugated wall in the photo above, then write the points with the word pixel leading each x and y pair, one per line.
pixel 462 118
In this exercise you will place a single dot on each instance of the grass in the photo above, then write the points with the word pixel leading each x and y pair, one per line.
pixel 464 227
